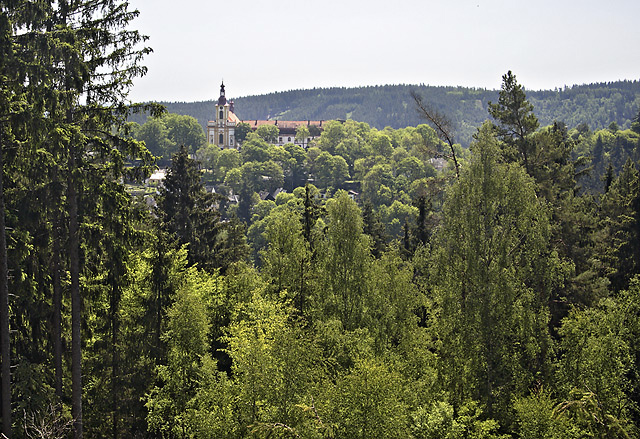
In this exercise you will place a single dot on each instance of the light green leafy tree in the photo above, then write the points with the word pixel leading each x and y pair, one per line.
pixel 345 263
pixel 302 134
pixel 268 133
pixel 538 417
pixel 273 364
pixel 155 135
pixel 396 216
pixel 381 145
pixel 368 403
pixel 598 368
pixel 187 338
pixel 184 130
pixel 331 171
pixel 242 131
pixel 332 134
pixel 287 258
pixel 391 301
pixel 441 421
pixel 377 185
pixel 255 148
pixel 491 282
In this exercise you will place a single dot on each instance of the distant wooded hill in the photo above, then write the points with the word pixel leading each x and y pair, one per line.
pixel 596 105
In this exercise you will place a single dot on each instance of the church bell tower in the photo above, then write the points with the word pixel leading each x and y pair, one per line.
pixel 220 131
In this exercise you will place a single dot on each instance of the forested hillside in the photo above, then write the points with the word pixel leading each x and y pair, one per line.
pixel 380 283
pixel 596 105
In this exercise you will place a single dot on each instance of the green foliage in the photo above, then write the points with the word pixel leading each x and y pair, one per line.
pixel 440 422
pixel 597 369
pixel 189 214
pixel 587 418
pixel 273 364
pixel 491 282
pixel 286 261
pixel 505 302
pixel 345 261
pixel 330 171
pixel 241 131
pixel 368 403
pixel 516 121
pixel 188 359
pixel 268 133
pixel 621 220
pixel 166 134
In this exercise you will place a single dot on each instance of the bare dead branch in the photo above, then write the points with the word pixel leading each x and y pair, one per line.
pixel 441 123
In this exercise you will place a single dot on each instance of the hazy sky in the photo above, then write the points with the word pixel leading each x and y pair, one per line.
pixel 263 46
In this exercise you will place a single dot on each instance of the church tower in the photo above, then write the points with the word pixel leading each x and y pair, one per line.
pixel 221 130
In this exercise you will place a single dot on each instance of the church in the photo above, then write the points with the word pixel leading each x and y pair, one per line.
pixel 221 131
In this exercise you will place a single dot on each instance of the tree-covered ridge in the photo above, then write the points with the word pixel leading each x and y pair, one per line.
pixel 596 105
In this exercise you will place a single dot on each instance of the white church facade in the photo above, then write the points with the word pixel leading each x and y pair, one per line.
pixel 221 130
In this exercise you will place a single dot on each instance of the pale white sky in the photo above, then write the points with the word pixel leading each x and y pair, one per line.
pixel 264 46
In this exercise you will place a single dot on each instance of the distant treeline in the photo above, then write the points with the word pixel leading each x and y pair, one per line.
pixel 596 105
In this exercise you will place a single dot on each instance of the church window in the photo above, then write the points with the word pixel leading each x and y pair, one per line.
pixel 221 139
pixel 221 114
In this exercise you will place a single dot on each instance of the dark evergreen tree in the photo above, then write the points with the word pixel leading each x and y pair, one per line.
pixel 422 231
pixel 635 126
pixel 7 94
pixel 373 227
pixel 188 211
pixel 310 215
pixel 77 62
pixel 621 209
pixel 516 121
pixel 608 178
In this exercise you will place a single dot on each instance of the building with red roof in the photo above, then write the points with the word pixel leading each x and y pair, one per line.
pixel 221 131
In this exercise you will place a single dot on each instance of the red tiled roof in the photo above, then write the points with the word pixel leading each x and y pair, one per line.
pixel 283 124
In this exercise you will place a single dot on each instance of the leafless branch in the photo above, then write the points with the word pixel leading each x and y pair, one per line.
pixel 441 123
pixel 51 424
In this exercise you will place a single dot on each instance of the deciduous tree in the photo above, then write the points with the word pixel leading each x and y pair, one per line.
pixel 490 283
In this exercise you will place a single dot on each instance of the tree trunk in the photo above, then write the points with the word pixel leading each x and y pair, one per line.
pixel 115 360
pixel 76 304
pixel 57 315
pixel 5 339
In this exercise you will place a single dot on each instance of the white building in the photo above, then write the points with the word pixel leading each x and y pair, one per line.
pixel 221 131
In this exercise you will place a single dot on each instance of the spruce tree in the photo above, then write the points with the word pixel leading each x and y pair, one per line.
pixel 621 220
pixel 189 213
pixel 516 121
pixel 89 58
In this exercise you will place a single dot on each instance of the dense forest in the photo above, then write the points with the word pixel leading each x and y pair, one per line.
pixel 596 105
pixel 381 283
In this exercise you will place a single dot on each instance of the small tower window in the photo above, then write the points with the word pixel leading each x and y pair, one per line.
pixel 221 139
pixel 221 114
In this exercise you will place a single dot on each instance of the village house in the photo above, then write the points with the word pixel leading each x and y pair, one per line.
pixel 221 131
